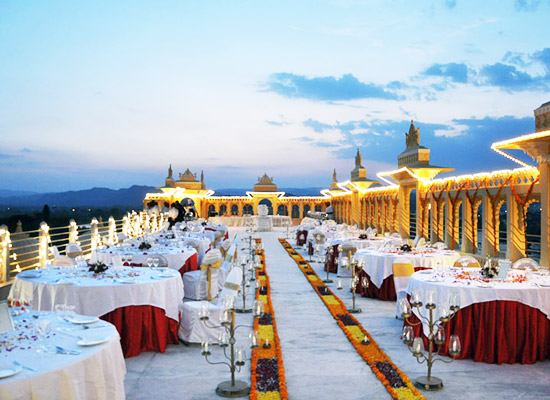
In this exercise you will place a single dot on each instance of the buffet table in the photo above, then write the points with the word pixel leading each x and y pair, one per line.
pixel 141 302
pixel 95 369
pixel 178 258
pixel 499 321
pixel 378 268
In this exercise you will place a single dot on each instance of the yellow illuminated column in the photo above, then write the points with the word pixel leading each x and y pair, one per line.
pixel 544 168
pixel 469 226
pixel 489 219
pixel 403 206
pixel 515 229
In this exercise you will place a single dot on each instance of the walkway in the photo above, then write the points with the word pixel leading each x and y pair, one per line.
pixel 320 362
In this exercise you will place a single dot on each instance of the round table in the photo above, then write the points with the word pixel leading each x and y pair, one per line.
pixel 141 302
pixel 96 373
pixel 180 259
pixel 499 321
pixel 358 243
pixel 378 268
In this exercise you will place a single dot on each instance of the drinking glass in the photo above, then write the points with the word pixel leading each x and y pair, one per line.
pixel 60 311
pixel 43 329
pixel 156 262
pixel 15 307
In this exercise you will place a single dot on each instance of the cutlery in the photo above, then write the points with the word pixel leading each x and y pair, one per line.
pixel 63 350
pixel 18 364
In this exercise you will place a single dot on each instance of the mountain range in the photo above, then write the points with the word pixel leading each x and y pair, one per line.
pixel 103 197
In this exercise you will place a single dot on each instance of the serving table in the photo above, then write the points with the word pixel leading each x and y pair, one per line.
pixel 142 303
pixel 500 321
pixel 378 267
pixel 94 371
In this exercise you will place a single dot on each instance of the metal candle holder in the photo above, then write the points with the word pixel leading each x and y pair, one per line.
pixel 231 388
pixel 353 284
pixel 244 285
pixel 437 338
pixel 328 258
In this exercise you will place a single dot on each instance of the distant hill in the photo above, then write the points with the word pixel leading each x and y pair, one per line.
pixel 102 197
pixel 95 197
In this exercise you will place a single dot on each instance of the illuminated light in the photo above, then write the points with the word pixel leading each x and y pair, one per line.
pixel 74 210
pixel 508 144
pixel 17 268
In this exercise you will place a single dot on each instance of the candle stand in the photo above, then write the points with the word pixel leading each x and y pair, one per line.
pixel 236 358
pixel 328 258
pixel 353 263
pixel 436 336
pixel 245 284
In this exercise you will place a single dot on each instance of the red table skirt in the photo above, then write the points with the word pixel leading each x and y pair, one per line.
pixel 192 264
pixel 143 328
pixel 386 292
pixel 298 241
pixel 498 332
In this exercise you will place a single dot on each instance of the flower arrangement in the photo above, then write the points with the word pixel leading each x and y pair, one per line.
pixel 396 382
pixel 97 267
pixel 490 268
pixel 406 248
pixel 144 246
pixel 363 236
pixel 267 374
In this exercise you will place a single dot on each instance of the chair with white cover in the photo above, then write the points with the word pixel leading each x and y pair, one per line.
pixel 73 250
pixel 203 284
pixel 191 328
pixel 59 260
pixel 526 263
pixel 346 251
pixel 402 271
pixel 466 262
pixel 421 242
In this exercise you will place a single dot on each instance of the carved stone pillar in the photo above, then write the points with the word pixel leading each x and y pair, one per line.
pixel 515 229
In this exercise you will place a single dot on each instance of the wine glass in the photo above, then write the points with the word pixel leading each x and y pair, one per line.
pixel 70 312
pixel 43 330
pixel 149 262
pixel 156 262
pixel 60 311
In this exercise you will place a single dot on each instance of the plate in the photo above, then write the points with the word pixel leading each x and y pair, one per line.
pixel 30 274
pixel 425 271
pixel 82 319
pixel 92 341
pixel 485 285
pixel 7 370
pixel 435 280
pixel 544 284
pixel 167 275
pixel 125 281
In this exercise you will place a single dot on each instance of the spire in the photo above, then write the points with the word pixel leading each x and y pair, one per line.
pixel 358 159
pixel 334 179
pixel 170 172
pixel 202 176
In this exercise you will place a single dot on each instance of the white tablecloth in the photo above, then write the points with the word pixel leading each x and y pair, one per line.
pixel 443 283
pixel 359 243
pixel 378 264
pixel 99 296
pixel 176 257
pixel 97 373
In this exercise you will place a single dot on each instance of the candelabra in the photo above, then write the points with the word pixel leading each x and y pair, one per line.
pixel 353 263
pixel 328 259
pixel 245 282
pixel 236 358
pixel 436 335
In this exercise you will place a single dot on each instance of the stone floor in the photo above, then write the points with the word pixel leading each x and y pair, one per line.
pixel 319 361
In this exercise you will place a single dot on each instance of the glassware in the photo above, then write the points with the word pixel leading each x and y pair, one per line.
pixel 60 311
pixel 156 262
pixel 15 307
pixel 42 328
pixel 408 334
pixel 454 345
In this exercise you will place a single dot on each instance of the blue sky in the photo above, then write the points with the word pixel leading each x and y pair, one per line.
pixel 110 93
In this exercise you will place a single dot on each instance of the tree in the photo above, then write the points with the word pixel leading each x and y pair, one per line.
pixel 46 213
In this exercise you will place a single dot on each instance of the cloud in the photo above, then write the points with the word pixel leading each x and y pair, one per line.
pixel 328 88
pixel 25 150
pixel 463 144
pixel 450 4
pixel 543 56
pixel 456 72
pixel 508 77
pixel 4 156
pixel 276 123
pixel 528 5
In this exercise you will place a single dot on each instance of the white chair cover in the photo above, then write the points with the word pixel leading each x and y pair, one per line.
pixel 191 328
pixel 195 282
pixel 401 283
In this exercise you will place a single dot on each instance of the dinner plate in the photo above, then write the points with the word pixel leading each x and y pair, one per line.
pixel 30 274
pixel 7 370
pixel 167 275
pixel 92 341
pixel 485 285
pixel 435 280
pixel 544 284
pixel 82 319
pixel 125 281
